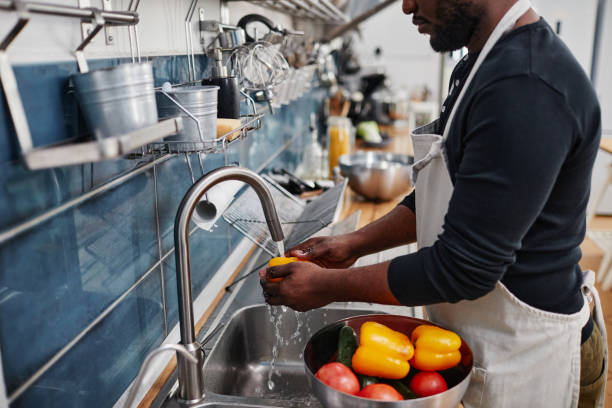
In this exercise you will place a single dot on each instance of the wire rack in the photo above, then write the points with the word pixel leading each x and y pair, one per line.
pixel 249 123
pixel 299 220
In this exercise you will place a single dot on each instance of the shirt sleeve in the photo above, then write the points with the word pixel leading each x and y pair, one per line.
pixel 409 201
pixel 519 132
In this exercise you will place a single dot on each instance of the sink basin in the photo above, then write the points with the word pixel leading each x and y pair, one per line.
pixel 240 362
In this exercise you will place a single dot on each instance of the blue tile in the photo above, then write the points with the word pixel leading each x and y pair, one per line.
pixel 25 193
pixel 173 181
pixel 59 276
pixel 208 250
pixel 100 367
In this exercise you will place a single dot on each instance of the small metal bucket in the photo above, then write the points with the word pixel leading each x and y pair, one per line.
pixel 198 107
pixel 117 100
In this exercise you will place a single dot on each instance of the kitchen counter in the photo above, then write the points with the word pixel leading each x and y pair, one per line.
pixel 606 144
pixel 371 210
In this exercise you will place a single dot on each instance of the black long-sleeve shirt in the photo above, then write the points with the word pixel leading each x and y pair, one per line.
pixel 520 155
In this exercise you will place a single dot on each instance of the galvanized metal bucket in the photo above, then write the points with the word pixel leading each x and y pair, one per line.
pixel 198 107
pixel 117 100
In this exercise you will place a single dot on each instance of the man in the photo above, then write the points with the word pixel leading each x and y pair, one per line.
pixel 498 210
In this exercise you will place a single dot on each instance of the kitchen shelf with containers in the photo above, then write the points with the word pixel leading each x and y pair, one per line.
pixel 127 116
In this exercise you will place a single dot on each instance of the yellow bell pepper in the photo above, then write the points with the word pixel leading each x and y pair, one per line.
pixel 374 362
pixel 382 352
pixel 389 341
pixel 435 348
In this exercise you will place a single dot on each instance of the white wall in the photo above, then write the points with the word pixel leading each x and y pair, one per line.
pixel 410 61
pixel 577 25
pixel 161 30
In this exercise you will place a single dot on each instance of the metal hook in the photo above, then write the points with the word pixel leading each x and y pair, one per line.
pixel 99 22
pixel 135 28
pixel 189 40
pixel 190 168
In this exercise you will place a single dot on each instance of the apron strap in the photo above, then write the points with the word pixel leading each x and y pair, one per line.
pixel 435 150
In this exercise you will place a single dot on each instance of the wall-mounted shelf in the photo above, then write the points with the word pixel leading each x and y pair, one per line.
pixel 319 10
pixel 220 144
pixel 69 154
pixel 104 149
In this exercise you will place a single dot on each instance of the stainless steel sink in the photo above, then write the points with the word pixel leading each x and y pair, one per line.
pixel 241 360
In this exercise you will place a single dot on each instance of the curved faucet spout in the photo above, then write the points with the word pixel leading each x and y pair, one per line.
pixel 190 376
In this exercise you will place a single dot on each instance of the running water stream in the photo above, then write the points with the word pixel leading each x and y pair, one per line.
pixel 281 248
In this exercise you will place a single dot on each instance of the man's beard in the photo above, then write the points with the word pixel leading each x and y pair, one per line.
pixel 458 21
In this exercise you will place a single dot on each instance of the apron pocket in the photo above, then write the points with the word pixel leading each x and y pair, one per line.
pixel 475 391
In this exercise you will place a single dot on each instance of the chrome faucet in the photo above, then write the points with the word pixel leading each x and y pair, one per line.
pixel 191 376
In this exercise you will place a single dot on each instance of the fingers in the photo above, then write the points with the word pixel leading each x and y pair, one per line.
pixel 306 252
pixel 277 273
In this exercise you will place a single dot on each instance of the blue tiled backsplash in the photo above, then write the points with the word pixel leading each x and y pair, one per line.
pixel 58 277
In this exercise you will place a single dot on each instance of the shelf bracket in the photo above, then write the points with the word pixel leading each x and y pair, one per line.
pixel 98 25
pixel 9 83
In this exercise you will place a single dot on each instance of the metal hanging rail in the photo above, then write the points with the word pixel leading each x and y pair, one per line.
pixel 318 10
pixel 110 17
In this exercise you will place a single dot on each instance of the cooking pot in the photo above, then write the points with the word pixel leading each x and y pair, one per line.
pixel 323 345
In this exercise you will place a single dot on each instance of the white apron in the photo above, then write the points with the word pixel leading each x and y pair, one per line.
pixel 523 356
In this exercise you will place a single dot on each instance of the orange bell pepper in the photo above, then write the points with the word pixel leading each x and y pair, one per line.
pixel 382 352
pixel 435 348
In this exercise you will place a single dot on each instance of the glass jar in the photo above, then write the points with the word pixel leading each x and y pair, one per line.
pixel 338 139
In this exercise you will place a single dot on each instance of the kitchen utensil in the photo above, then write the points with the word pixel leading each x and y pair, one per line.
pixel 230 38
pixel 117 100
pixel 299 221
pixel 258 28
pixel 198 107
pixel 322 346
pixel 259 66
pixel 228 101
pixel 377 175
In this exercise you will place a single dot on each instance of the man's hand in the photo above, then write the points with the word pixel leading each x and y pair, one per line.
pixel 299 287
pixel 304 286
pixel 328 252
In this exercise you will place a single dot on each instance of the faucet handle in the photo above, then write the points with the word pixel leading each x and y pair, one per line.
pixel 210 336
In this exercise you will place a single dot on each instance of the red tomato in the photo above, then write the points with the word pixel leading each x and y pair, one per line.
pixel 339 377
pixel 380 391
pixel 427 383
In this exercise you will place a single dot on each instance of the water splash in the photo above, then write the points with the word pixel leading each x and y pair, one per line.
pixel 276 317
pixel 281 248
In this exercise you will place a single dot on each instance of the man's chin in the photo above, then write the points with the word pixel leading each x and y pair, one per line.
pixel 439 45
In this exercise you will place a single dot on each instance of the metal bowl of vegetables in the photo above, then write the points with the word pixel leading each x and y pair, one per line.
pixel 377 176
pixel 332 345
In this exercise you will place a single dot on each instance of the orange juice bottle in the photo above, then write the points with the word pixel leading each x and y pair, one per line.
pixel 338 140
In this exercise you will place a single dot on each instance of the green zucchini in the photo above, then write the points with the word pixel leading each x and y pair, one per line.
pixel 402 389
pixel 365 380
pixel 347 344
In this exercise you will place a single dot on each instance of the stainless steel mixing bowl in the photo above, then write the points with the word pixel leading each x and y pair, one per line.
pixel 377 175
pixel 322 346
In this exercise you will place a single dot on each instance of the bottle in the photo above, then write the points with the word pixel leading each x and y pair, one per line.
pixel 338 140
pixel 313 153
pixel 228 101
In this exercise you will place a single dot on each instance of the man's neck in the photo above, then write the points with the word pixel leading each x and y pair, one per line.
pixel 489 22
